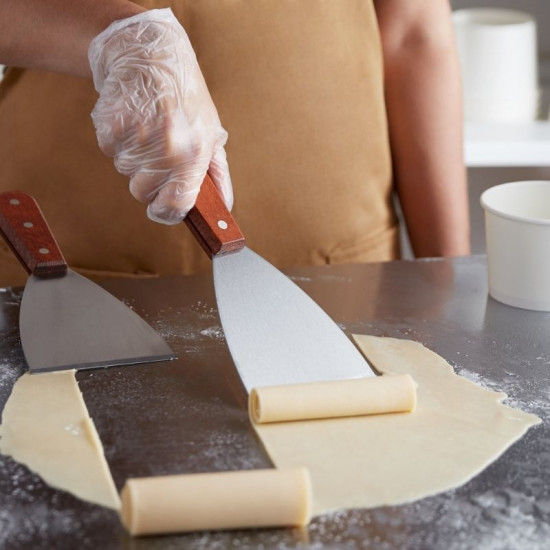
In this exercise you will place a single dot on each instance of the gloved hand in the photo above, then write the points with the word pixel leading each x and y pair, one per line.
pixel 155 115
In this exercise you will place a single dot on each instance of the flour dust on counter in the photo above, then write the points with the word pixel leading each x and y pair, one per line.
pixel 538 403
pixel 457 430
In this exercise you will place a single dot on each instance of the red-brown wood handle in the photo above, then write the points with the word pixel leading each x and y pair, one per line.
pixel 26 231
pixel 212 224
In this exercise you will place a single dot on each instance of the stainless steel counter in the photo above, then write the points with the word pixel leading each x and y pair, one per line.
pixel 190 415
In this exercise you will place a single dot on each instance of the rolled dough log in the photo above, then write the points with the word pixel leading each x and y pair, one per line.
pixel 457 429
pixel 356 397
pixel 45 425
pixel 222 500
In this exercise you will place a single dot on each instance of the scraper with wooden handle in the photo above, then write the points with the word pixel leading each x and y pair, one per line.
pixel 275 332
pixel 66 321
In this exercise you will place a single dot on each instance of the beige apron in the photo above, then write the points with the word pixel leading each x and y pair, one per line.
pixel 298 85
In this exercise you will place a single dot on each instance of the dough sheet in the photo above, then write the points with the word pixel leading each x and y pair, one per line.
pixel 457 429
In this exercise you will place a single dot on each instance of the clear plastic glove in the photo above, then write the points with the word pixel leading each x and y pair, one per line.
pixel 155 115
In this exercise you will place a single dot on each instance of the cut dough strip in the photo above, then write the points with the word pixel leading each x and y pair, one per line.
pixel 221 500
pixel 340 398
pixel 46 426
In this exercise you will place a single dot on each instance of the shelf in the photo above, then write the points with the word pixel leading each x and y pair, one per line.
pixel 496 145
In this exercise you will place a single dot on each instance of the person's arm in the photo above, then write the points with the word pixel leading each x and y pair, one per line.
pixel 423 100
pixel 154 114
pixel 54 35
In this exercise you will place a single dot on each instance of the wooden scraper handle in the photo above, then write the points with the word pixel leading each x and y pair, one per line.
pixel 212 224
pixel 27 233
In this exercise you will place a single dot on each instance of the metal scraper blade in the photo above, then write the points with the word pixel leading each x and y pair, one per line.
pixel 275 332
pixel 71 323
pixel 66 321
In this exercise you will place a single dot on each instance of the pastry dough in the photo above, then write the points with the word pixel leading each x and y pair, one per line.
pixel 457 429
pixel 45 425
pixel 356 397
pixel 223 500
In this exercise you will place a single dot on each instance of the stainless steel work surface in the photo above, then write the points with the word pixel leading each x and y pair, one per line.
pixel 190 415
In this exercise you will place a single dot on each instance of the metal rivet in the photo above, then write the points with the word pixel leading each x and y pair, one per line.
pixel 222 224
pixel 44 250
pixel 28 224
pixel 14 201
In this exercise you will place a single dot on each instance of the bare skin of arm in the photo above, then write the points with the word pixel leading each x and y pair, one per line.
pixel 424 104
pixel 54 35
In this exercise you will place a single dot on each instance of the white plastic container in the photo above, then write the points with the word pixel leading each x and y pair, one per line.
pixel 517 226
pixel 498 54
pixel 519 109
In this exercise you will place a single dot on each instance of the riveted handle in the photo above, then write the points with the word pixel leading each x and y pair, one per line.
pixel 26 231
pixel 212 224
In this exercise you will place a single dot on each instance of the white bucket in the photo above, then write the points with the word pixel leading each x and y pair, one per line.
pixel 517 226
pixel 519 109
pixel 498 55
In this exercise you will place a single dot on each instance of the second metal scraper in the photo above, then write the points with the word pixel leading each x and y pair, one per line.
pixel 275 332
pixel 66 321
